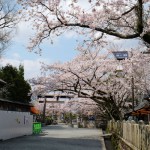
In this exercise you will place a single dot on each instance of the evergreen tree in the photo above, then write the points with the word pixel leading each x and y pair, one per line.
pixel 17 87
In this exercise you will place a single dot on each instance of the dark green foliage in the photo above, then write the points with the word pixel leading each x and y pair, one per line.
pixel 17 87
pixel 68 117
pixel 115 141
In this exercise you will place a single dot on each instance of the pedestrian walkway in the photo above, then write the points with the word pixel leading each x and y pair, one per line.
pixel 58 137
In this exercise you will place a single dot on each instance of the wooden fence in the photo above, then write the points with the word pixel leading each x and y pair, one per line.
pixel 136 136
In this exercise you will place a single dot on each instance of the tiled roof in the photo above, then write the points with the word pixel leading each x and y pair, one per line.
pixel 15 102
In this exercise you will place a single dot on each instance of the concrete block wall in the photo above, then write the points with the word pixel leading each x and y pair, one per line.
pixel 14 124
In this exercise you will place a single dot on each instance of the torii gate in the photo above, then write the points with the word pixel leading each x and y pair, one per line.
pixel 52 96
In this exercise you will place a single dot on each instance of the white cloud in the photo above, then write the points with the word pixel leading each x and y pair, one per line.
pixel 71 34
pixel 31 67
pixel 13 62
pixel 24 32
pixel 16 56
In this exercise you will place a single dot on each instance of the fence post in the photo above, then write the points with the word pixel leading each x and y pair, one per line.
pixel 141 123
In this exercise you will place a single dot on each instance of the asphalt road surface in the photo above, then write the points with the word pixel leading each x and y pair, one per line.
pixel 58 137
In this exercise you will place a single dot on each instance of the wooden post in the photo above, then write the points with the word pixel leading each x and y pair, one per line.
pixel 44 109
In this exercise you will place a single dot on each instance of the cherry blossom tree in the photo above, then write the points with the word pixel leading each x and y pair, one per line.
pixel 80 105
pixel 125 19
pixel 81 108
pixel 93 76
pixel 8 20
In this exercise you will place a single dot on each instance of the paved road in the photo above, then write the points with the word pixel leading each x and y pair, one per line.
pixel 58 137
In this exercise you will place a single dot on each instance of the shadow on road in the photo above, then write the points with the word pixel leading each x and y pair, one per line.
pixel 57 137
pixel 40 142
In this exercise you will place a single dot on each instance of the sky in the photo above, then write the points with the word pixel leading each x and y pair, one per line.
pixel 17 53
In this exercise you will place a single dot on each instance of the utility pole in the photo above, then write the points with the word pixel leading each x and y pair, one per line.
pixel 132 88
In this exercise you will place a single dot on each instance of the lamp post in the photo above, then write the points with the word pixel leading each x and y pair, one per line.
pixel 121 55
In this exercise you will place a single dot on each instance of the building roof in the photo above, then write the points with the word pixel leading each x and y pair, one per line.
pixel 142 109
pixel 57 96
pixel 143 104
pixel 16 102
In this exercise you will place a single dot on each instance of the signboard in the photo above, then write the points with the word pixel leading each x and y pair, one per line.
pixel 120 55
pixel 52 101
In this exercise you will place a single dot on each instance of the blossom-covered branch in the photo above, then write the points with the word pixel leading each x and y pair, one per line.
pixel 119 18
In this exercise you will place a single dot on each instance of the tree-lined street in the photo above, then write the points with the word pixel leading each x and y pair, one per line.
pixel 106 76
pixel 58 137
